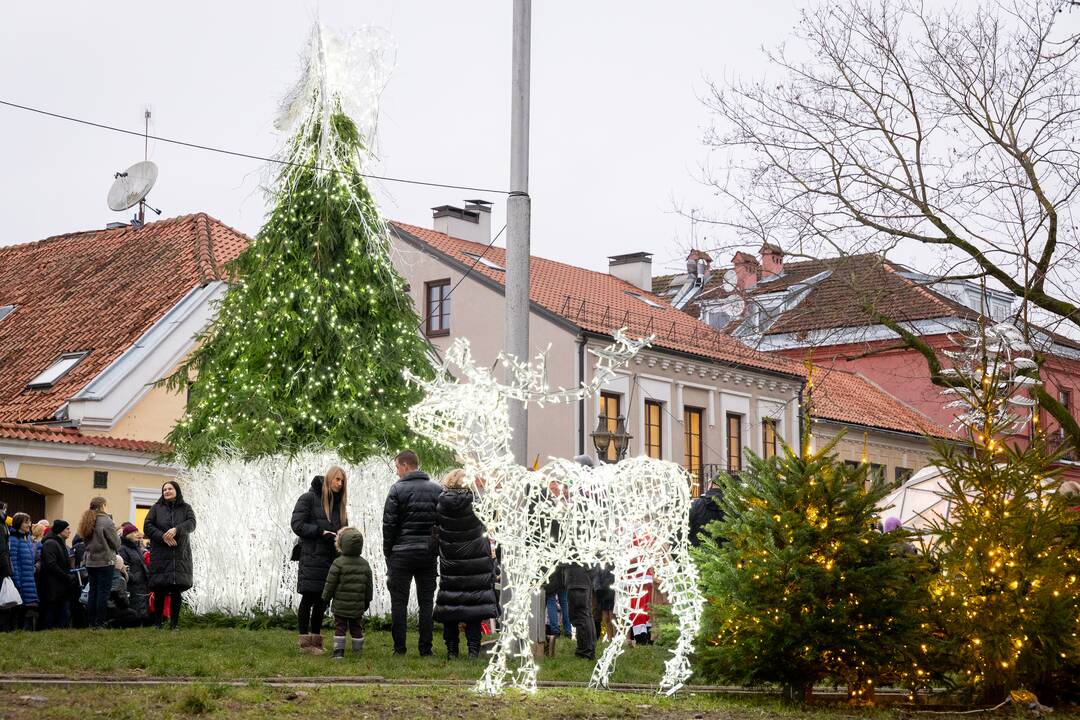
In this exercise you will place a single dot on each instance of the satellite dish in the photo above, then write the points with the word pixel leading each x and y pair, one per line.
pixel 731 280
pixel 132 185
pixel 732 306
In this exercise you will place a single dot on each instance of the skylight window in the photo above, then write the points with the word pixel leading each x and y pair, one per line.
pixel 57 370
pixel 5 310
pixel 484 261
pixel 643 299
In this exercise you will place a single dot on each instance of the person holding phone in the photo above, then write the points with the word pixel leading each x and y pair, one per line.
pixel 319 514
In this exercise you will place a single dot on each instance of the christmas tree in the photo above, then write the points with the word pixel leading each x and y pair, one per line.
pixel 806 587
pixel 1007 599
pixel 312 336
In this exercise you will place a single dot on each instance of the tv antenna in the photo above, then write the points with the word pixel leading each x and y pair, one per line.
pixel 131 186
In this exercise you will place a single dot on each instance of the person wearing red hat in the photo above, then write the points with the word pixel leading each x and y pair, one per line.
pixel 138 577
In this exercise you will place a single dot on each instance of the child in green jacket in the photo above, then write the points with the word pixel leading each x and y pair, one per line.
pixel 350 588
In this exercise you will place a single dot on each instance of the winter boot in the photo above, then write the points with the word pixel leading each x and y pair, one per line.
pixel 305 643
pixel 474 650
pixel 549 645
pixel 358 646
pixel 339 647
pixel 315 644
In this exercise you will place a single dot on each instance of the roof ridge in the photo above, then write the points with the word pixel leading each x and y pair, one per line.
pixel 577 268
pixel 930 294
pixel 204 249
pixel 124 228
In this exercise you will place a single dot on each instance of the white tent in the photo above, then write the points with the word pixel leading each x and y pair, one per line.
pixel 920 501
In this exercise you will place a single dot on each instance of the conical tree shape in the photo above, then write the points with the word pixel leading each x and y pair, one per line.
pixel 804 587
pixel 1007 599
pixel 311 338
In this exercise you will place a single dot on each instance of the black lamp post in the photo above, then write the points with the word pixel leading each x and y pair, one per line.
pixel 603 438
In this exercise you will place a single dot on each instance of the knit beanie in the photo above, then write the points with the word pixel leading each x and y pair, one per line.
pixel 127 528
pixel 59 526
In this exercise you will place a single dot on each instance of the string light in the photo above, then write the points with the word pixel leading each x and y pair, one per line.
pixel 631 515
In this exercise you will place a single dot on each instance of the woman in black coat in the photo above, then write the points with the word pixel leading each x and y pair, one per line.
pixel 169 525
pixel 466 568
pixel 318 515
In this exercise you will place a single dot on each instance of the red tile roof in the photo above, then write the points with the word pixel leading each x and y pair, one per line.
pixel 71 436
pixel 842 397
pixel 96 291
pixel 601 303
pixel 852 398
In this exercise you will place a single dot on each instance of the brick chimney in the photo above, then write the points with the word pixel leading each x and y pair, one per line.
pixel 772 261
pixel 473 222
pixel 747 270
pixel 634 268
pixel 699 264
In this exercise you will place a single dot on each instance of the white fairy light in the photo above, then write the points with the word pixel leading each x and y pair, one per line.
pixel 242 544
pixel 631 515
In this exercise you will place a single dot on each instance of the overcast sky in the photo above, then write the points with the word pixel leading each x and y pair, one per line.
pixel 616 120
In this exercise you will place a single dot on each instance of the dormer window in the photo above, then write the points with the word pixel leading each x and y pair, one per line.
pixel 6 310
pixel 61 367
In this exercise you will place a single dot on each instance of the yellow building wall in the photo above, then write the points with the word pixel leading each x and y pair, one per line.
pixel 68 490
pixel 152 417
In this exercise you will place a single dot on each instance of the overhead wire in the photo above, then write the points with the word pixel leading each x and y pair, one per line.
pixel 249 156
pixel 479 257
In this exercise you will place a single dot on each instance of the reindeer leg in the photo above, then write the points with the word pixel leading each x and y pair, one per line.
pixel 678 578
pixel 512 635
pixel 514 641
pixel 626 587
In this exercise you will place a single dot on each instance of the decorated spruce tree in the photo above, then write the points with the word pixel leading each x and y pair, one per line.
pixel 312 336
pixel 804 587
pixel 1007 599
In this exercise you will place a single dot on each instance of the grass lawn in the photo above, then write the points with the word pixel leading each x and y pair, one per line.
pixel 433 703
pixel 212 656
pixel 226 653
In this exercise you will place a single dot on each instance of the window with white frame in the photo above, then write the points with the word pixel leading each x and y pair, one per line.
pixel 59 368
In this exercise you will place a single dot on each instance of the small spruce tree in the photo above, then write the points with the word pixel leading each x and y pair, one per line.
pixel 804 586
pixel 1007 599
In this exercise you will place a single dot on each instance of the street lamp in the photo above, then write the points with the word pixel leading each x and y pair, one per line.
pixel 603 438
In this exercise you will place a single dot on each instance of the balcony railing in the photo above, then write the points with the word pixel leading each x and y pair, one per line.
pixel 1056 442
pixel 706 473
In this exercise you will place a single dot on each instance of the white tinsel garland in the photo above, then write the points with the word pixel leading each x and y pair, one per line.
pixel 242 544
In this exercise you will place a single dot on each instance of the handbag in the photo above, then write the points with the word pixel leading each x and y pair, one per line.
pixel 295 555
pixel 9 596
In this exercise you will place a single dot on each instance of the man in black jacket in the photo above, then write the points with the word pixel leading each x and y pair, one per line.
pixel 703 511
pixel 409 547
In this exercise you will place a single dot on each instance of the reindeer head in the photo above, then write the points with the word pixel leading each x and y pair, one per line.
pixel 472 416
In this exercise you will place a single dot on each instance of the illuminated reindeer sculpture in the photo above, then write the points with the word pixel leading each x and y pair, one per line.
pixel 631 515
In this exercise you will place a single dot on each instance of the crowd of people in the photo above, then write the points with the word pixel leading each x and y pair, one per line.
pixel 432 538
pixel 96 575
